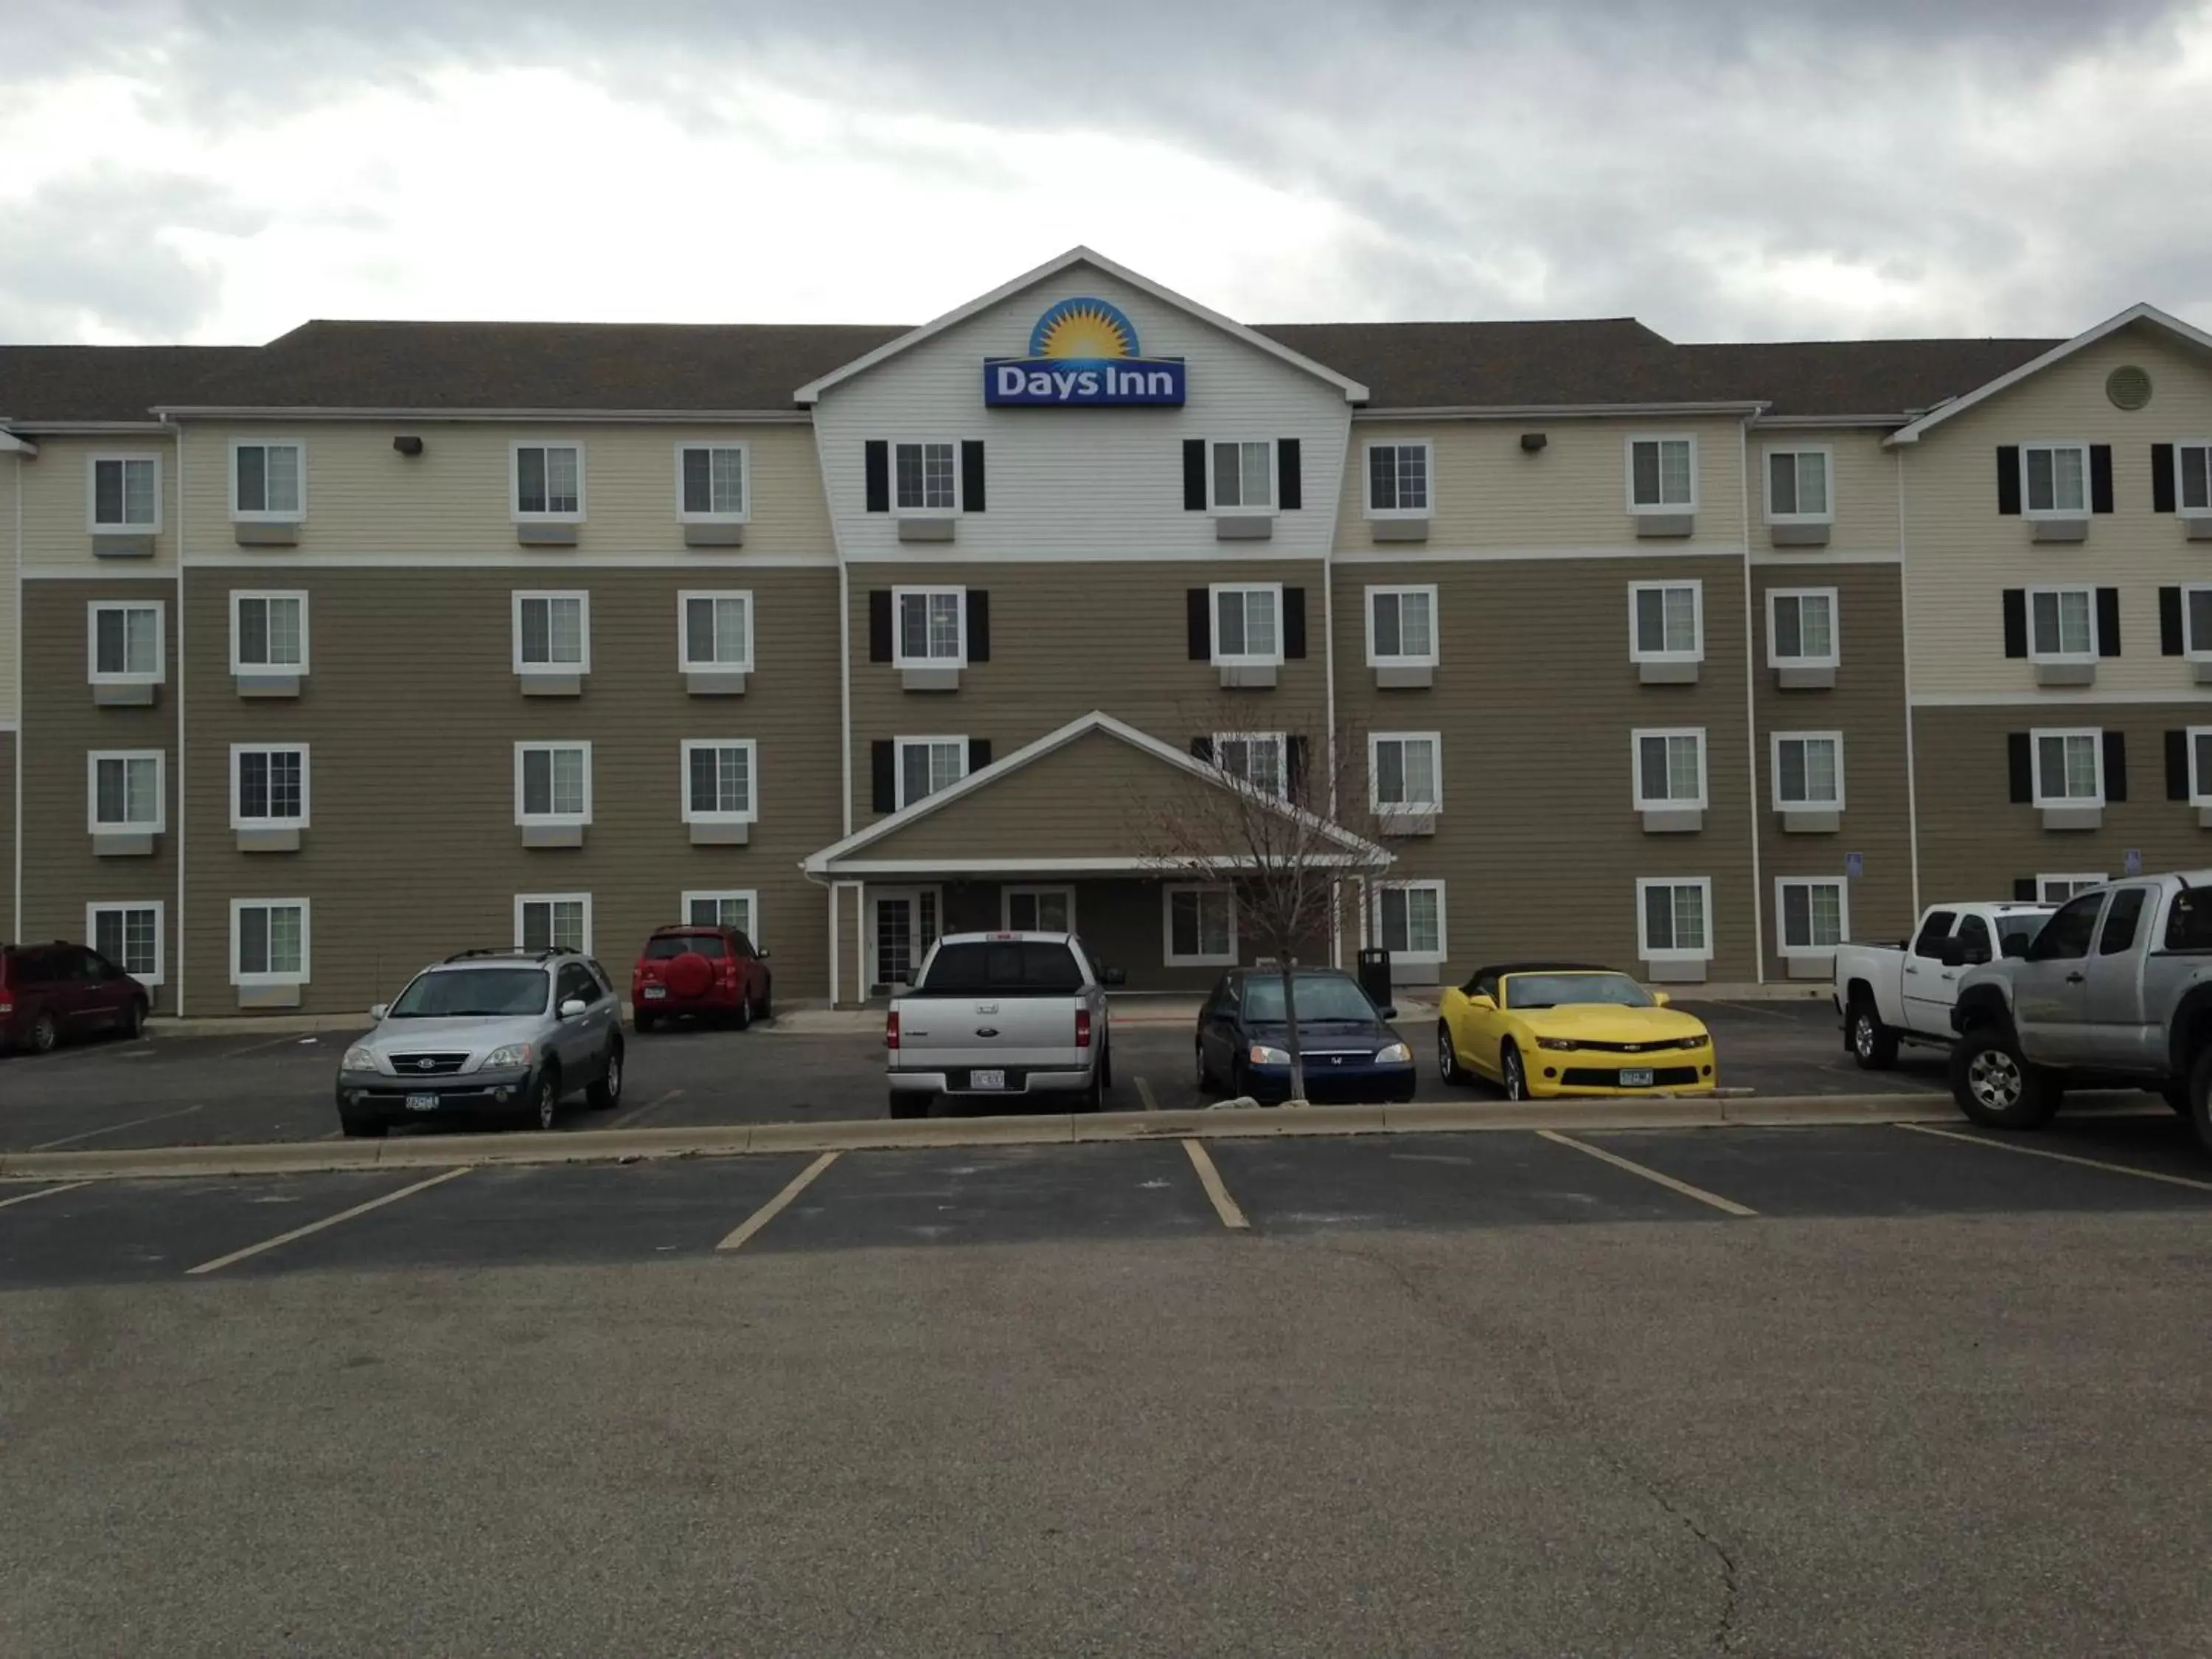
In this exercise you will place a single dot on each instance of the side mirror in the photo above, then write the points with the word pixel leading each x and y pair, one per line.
pixel 1113 976
pixel 377 1011
pixel 1388 1011
pixel 759 955
pixel 1951 953
pixel 1661 999
pixel 574 1008
pixel 1483 1000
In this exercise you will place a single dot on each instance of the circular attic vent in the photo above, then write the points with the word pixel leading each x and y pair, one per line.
pixel 2128 387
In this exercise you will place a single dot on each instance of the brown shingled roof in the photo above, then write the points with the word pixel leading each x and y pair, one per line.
pixel 103 383
pixel 1492 365
pixel 1857 377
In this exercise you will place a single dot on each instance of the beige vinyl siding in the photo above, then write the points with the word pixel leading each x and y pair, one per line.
pixel 364 499
pixel 1862 488
pixel 1962 554
pixel 11 468
pixel 10 926
pixel 57 505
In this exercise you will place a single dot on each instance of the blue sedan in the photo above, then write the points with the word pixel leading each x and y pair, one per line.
pixel 1350 1051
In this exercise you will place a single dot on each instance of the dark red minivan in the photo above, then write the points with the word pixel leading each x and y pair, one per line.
pixel 711 972
pixel 62 992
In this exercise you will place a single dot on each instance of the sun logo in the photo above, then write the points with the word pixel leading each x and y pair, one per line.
pixel 1089 329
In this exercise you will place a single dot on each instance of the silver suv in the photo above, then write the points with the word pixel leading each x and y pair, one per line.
pixel 508 1034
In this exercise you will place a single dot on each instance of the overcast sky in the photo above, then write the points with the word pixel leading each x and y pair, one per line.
pixel 185 170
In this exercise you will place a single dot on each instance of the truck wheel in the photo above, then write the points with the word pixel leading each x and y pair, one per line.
pixel 2200 1099
pixel 1873 1045
pixel 2175 1095
pixel 1996 1088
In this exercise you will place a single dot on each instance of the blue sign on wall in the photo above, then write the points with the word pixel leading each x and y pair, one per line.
pixel 1083 355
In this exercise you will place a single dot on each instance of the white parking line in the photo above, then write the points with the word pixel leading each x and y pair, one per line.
pixel 775 1207
pixel 43 1192
pixel 1145 1094
pixel 652 1105
pixel 2060 1158
pixel 1210 1178
pixel 221 1261
pixel 114 1129
pixel 1728 1205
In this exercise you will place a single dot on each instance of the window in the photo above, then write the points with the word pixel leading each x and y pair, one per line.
pixel 1808 769
pixel 2123 919
pixel 269 943
pixel 710 484
pixel 553 783
pixel 2196 623
pixel 2066 936
pixel 2057 890
pixel 1406 771
pixel 1934 928
pixel 932 627
pixel 125 493
pixel 1800 628
pixel 268 480
pixel 1258 757
pixel 1038 909
pixel 1201 927
pixel 1666 622
pixel 2069 768
pixel 1246 628
pixel 2200 765
pixel 1243 477
pixel 129 936
pixel 2192 476
pixel 1797 486
pixel 126 641
pixel 925 478
pixel 1662 475
pixel 1670 769
pixel 553 921
pixel 1811 915
pixel 1398 481
pixel 926 765
pixel 267 631
pixel 1673 918
pixel 717 631
pixel 268 787
pixel 552 633
pixel 127 794
pixel 1402 626
pixel 2062 624
pixel 549 481
pixel 736 909
pixel 2054 480
pixel 719 782
pixel 1409 919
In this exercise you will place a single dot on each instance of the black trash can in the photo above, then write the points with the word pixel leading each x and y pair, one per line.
pixel 1374 978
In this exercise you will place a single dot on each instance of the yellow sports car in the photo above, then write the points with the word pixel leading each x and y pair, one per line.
pixel 1543 1028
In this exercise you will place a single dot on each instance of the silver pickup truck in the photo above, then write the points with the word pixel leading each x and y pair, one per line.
pixel 1001 1016
pixel 2114 991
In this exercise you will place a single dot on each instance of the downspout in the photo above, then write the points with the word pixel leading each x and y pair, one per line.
pixel 1329 681
pixel 1904 641
pixel 16 919
pixel 1751 708
pixel 175 943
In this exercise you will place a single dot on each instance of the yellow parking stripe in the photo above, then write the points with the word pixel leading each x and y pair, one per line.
pixel 43 1192
pixel 223 1261
pixel 2060 1158
pixel 776 1206
pixel 1210 1178
pixel 1728 1205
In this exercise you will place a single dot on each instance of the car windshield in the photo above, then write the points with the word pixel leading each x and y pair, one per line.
pixel 1554 990
pixel 454 992
pixel 1001 965
pixel 1320 997
pixel 661 946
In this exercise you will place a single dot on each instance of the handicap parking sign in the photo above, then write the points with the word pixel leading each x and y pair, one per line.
pixel 1855 864
pixel 2131 861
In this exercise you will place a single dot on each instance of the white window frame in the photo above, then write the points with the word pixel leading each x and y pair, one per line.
pixel 2096 736
pixel 160 670
pixel 743 515
pixel 2191 650
pixel 92 464
pixel 1274 482
pixel 524 746
pixel 685 661
pixel 959 500
pixel 752 812
pixel 2181 447
pixel 899 747
pixel 514 448
pixel 1774 657
pixel 1774 742
pixel 1827 454
pixel 1398 590
pixel 899 597
pixel 2075 881
pixel 160 823
pixel 520 596
pixel 2088 490
pixel 267 595
pixel 92 914
pixel 1628 483
pixel 1203 958
pixel 1007 896
pixel 238 752
pixel 1664 803
pixel 2034 655
pixel 1244 658
pixel 1637 653
pixel 748 897
pixel 1281 742
pixel 1427 446
pixel 239 976
pixel 1375 742
pixel 2199 783
pixel 1443 932
pixel 521 900
pixel 1672 953
pixel 265 515
pixel 1782 886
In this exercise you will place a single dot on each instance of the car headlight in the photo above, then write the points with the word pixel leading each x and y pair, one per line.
pixel 1260 1054
pixel 515 1057
pixel 1396 1054
pixel 358 1060
pixel 1701 1040
pixel 1561 1044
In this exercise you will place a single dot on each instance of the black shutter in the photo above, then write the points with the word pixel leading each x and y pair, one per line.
pixel 2019 760
pixel 1288 484
pixel 2023 887
pixel 1294 767
pixel 1193 475
pixel 2177 766
pixel 2100 477
pixel 2161 477
pixel 1294 623
pixel 979 625
pixel 2016 622
pixel 883 762
pixel 2116 766
pixel 878 454
pixel 971 475
pixel 2169 622
pixel 879 624
pixel 1201 623
pixel 1201 749
pixel 2009 479
pixel 2108 622
pixel 978 753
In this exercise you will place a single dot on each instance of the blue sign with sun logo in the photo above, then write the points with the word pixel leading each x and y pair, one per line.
pixel 1083 355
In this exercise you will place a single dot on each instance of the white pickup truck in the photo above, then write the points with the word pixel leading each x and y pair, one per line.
pixel 1892 993
pixel 1007 1016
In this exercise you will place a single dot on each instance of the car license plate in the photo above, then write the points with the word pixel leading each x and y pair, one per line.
pixel 1639 1079
pixel 987 1080
pixel 422 1103
pixel 655 993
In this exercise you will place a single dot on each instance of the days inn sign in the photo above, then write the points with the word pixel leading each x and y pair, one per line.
pixel 1083 355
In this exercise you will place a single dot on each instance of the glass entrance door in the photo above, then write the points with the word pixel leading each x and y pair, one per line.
pixel 903 925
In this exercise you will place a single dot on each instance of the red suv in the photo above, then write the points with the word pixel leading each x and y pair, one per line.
pixel 712 972
pixel 52 994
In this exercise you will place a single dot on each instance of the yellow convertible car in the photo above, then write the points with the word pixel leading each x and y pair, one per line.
pixel 1542 1029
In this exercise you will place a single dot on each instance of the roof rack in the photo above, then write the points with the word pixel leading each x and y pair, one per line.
pixel 545 954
